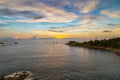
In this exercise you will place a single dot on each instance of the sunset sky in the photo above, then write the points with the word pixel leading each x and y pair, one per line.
pixel 59 18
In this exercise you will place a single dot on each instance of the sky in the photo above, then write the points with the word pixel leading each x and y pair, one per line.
pixel 59 18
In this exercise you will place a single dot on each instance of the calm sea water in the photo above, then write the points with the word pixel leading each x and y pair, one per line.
pixel 50 61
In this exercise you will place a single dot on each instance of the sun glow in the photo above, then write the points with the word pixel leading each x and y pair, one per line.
pixel 59 37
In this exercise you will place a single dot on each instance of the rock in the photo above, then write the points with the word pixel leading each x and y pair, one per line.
pixel 15 42
pixel 17 76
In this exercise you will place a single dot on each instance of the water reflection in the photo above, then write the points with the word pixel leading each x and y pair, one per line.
pixel 58 61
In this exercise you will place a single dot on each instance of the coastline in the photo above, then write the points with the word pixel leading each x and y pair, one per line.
pixel 112 44
pixel 116 51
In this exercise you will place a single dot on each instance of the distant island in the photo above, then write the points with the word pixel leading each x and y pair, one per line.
pixel 112 44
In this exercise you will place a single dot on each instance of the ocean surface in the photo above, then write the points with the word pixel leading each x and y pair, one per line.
pixel 51 59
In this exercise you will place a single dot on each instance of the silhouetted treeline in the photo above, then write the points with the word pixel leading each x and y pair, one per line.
pixel 106 43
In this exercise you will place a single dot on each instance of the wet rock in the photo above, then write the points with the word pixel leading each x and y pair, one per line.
pixel 17 76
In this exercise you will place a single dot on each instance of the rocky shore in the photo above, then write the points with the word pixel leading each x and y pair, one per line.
pixel 25 75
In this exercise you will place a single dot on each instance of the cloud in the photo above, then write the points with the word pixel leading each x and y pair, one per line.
pixel 38 17
pixel 111 24
pixel 69 29
pixel 57 31
pixel 86 6
pixel 90 21
pixel 19 14
pixel 85 23
pixel 4 26
pixel 93 17
pixel 87 19
pixel 112 14
pixel 19 8
pixel 106 31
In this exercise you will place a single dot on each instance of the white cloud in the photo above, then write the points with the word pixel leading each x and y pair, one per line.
pixel 87 5
pixel 112 14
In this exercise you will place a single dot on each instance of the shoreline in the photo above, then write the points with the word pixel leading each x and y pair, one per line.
pixel 116 51
pixel 112 44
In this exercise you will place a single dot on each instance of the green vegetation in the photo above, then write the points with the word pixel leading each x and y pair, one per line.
pixel 108 44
